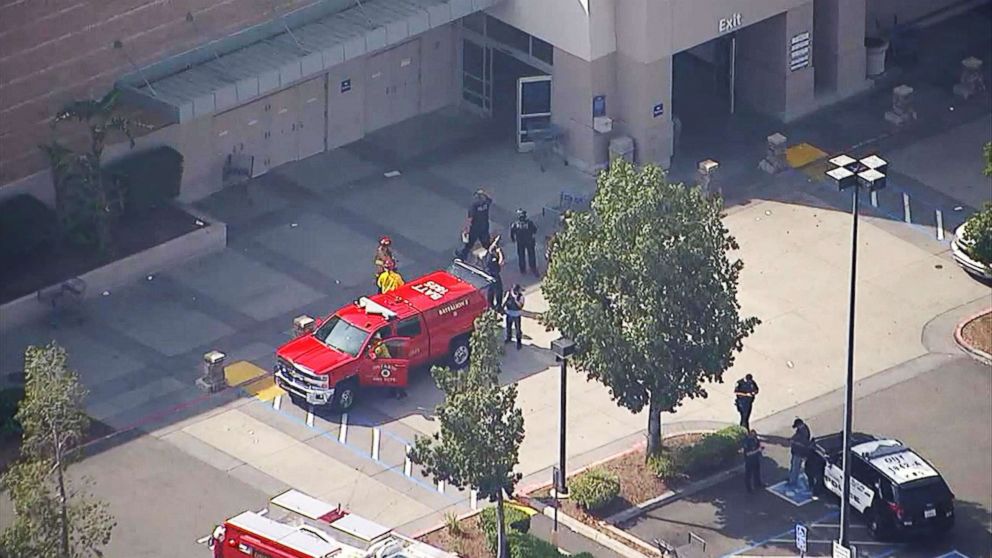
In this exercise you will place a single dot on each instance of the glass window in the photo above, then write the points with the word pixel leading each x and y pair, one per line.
pixel 536 97
pixel 507 34
pixel 342 336
pixel 472 59
pixel 408 328
pixel 542 51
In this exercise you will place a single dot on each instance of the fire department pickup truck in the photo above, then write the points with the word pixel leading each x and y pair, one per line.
pixel 296 525
pixel 375 341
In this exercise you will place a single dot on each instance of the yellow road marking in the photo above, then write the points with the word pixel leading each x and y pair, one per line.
pixel 800 155
pixel 242 372
pixel 526 509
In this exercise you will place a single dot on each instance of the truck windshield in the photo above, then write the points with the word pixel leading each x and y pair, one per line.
pixel 339 334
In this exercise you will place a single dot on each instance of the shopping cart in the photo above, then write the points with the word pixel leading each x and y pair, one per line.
pixel 547 142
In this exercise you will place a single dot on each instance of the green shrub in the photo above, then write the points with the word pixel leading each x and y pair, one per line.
pixel 714 451
pixel 525 545
pixel 10 398
pixel 978 235
pixel 27 226
pixel 595 489
pixel 667 465
pixel 516 520
pixel 149 178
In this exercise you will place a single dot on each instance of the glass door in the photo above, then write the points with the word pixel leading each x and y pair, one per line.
pixel 477 77
pixel 533 109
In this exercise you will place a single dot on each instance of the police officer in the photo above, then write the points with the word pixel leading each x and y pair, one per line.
pixel 745 391
pixel 523 232
pixel 513 306
pixel 799 450
pixel 493 261
pixel 752 461
pixel 478 223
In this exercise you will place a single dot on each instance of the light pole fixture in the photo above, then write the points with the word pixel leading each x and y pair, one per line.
pixel 563 348
pixel 853 174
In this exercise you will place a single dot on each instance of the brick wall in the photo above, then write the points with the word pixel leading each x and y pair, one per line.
pixel 54 51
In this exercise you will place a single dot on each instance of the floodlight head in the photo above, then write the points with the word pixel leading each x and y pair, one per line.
pixel 843 177
pixel 872 180
pixel 563 347
pixel 843 160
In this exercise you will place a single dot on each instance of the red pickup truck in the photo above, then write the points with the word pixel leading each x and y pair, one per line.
pixel 375 341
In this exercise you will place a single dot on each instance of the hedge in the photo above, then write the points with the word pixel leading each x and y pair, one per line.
pixel 150 178
pixel 595 489
pixel 27 226
pixel 525 545
pixel 516 521
pixel 714 451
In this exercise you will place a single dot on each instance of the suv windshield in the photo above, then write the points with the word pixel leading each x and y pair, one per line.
pixel 917 495
pixel 339 334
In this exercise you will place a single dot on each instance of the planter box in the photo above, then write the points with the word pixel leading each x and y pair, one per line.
pixel 200 242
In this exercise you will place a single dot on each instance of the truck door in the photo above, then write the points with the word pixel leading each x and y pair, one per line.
pixel 388 363
pixel 413 329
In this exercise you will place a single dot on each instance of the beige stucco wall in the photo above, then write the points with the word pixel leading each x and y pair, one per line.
pixel 563 23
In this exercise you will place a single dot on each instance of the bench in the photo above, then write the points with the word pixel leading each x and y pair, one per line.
pixel 67 295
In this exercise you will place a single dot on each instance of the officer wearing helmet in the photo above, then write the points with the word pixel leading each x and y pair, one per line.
pixel 477 229
pixel 523 232
pixel 384 259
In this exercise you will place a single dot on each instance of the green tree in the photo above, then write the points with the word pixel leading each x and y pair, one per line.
pixel 988 159
pixel 86 200
pixel 481 428
pixel 52 517
pixel 644 286
pixel 978 236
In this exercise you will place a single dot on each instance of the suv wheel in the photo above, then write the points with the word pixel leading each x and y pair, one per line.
pixel 344 396
pixel 460 352
pixel 876 526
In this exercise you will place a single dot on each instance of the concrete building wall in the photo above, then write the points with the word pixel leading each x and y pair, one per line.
pixel 54 52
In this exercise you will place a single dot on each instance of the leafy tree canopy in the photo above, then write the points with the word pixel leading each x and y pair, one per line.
pixel 645 286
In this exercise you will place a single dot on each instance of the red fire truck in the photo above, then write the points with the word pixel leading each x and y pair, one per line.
pixel 296 525
pixel 375 341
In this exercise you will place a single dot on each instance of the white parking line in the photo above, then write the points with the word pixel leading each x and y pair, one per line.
pixel 343 434
pixel 440 486
pixel 473 498
pixel 203 540
pixel 310 417
pixel 375 444
pixel 407 465
pixel 277 402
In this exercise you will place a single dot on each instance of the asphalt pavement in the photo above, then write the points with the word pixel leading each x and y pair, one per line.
pixel 943 413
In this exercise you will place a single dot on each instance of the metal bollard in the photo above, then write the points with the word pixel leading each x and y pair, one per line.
pixel 213 379
pixel 303 324
pixel 706 173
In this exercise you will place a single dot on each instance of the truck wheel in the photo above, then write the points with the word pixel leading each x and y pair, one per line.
pixel 460 352
pixel 344 396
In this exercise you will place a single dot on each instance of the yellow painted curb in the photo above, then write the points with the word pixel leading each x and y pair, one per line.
pixel 242 372
pixel 802 154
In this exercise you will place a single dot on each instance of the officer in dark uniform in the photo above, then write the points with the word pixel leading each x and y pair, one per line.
pixel 752 461
pixel 478 223
pixel 523 231
pixel 745 391
pixel 493 261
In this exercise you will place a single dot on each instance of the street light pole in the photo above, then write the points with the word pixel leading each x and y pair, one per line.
pixel 562 485
pixel 845 506
pixel 562 348
pixel 852 174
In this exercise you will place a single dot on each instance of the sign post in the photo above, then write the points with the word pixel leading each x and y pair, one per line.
pixel 841 551
pixel 801 533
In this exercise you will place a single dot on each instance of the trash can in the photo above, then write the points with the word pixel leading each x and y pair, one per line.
pixel 622 147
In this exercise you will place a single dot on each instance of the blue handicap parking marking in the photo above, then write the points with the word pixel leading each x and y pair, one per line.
pixel 797 496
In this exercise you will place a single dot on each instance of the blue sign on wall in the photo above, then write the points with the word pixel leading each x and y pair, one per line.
pixel 658 110
pixel 346 85
pixel 599 106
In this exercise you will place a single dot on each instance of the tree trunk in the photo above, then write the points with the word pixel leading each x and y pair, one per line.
pixel 502 548
pixel 654 429
pixel 63 499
